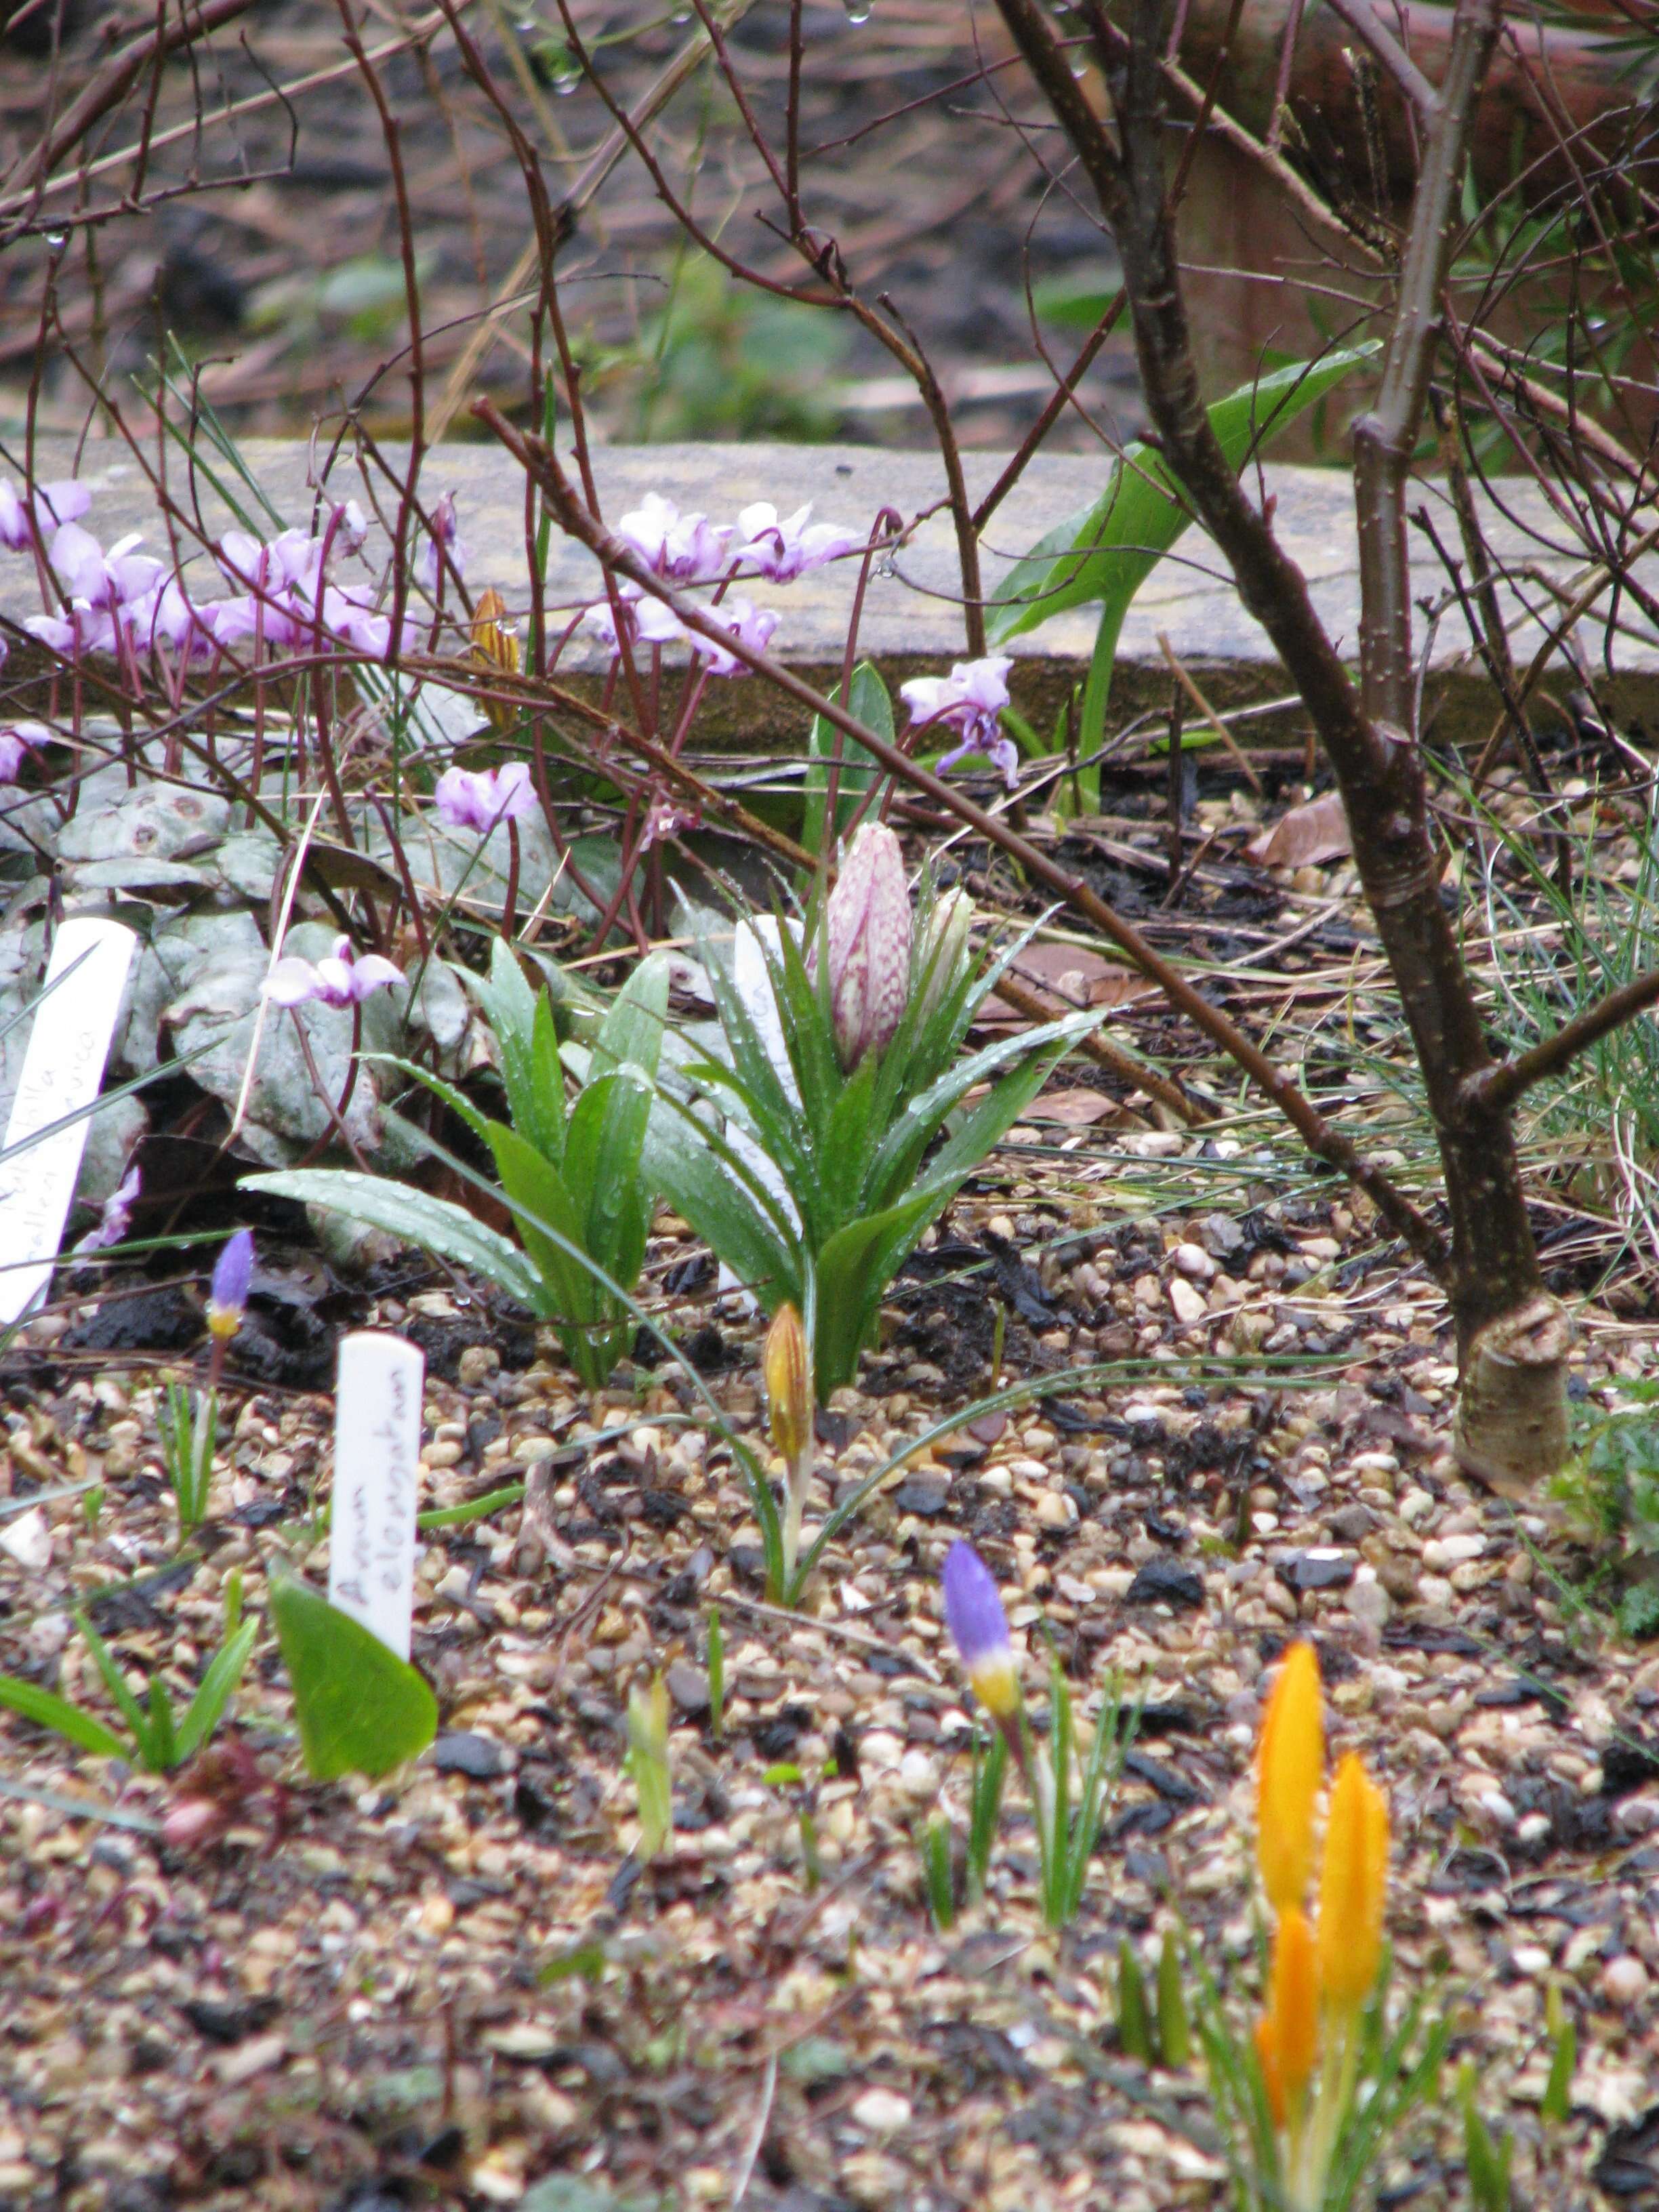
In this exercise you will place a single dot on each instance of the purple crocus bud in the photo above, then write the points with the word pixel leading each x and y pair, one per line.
pixel 117 1217
pixel 752 626
pixel 979 1629
pixel 341 978
pixel 46 506
pixel 968 701
pixel 469 801
pixel 783 549
pixel 868 938
pixel 232 1272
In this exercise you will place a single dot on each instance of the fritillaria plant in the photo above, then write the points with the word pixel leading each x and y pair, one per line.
pixel 842 1069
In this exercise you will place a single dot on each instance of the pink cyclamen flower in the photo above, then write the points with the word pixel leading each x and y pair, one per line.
pixel 341 978
pixel 469 801
pixel 867 936
pixel 117 1217
pixel 752 626
pixel 644 621
pixel 46 507
pixel 968 701
pixel 98 578
pixel 16 740
pixel 783 549
pixel 685 548
pixel 444 538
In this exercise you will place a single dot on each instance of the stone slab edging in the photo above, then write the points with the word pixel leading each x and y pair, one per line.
pixel 912 621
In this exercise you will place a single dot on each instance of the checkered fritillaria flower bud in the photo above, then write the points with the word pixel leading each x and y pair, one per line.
pixel 867 929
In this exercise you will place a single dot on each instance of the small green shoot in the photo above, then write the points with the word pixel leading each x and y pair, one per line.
pixel 189 1434
pixel 716 1675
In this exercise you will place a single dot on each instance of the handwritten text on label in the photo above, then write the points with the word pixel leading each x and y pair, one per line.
pixel 376 1450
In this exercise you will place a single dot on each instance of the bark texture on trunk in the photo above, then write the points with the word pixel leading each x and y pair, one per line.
pixel 1507 1325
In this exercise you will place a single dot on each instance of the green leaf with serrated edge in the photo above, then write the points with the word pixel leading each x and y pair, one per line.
pixel 82 1728
pixel 869 702
pixel 360 1709
pixel 1104 552
pixel 433 1223
pixel 214 1691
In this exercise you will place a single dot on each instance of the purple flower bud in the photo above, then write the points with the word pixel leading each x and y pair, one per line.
pixel 979 1629
pixel 117 1217
pixel 232 1272
pixel 867 936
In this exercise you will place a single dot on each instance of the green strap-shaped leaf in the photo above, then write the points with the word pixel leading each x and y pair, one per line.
pixel 434 1224
pixel 869 702
pixel 633 1028
pixel 213 1693
pixel 40 1705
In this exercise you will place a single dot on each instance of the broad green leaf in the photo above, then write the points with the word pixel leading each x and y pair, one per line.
pixel 632 1028
pixel 541 1201
pixel 1105 551
pixel 360 1709
pixel 605 1155
pixel 914 1129
pixel 854 1269
pixel 213 1693
pixel 40 1705
pixel 434 1224
pixel 518 1016
pixel 709 1193
pixel 870 703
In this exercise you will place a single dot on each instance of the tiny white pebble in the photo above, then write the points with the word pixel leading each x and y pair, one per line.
pixel 1623 1981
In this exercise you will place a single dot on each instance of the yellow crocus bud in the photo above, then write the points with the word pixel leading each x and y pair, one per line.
pixel 788 1384
pixel 1293 2006
pixel 495 646
pixel 1291 1759
pixel 1351 1882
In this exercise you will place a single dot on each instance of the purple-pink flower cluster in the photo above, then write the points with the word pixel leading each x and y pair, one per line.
pixel 690 549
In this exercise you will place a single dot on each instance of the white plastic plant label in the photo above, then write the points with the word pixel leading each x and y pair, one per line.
pixel 377 1453
pixel 63 1070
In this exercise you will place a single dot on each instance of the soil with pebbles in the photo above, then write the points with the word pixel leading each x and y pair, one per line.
pixel 459 1985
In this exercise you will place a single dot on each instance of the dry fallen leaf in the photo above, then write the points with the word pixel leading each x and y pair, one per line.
pixel 1315 831
pixel 1077 1109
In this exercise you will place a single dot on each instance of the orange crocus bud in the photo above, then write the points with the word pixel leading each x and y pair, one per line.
pixel 1291 1759
pixel 1294 2007
pixel 789 1385
pixel 1266 2051
pixel 1352 1882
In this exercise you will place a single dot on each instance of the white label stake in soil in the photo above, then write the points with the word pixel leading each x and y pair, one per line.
pixel 376 1450
pixel 63 1070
